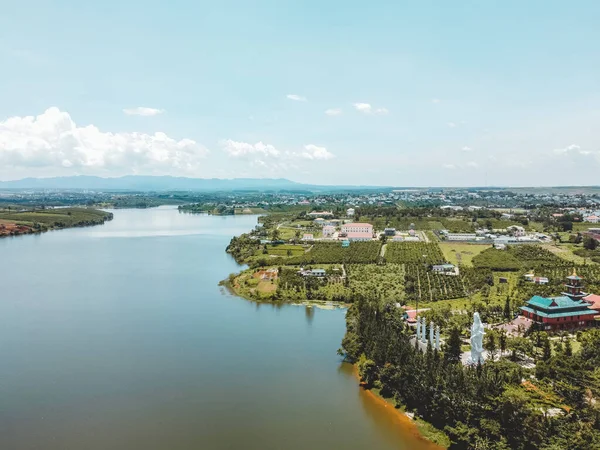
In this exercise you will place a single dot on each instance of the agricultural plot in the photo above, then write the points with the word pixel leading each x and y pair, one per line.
pixel 498 260
pixel 334 253
pixel 374 281
pixel 535 256
pixel 419 283
pixel 461 254
pixel 285 250
pixel 413 253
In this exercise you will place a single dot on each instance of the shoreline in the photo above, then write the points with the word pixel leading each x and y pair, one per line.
pixel 407 424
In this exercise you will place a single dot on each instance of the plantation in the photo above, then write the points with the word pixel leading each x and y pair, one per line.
pixel 500 260
pixel 535 256
pixel 428 286
pixel 413 253
pixel 334 253
pixel 383 282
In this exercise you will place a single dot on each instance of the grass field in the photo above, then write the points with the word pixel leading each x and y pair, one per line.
pixel 565 251
pixel 460 253
pixel 282 250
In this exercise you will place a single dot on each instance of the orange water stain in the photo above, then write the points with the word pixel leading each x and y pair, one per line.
pixel 387 415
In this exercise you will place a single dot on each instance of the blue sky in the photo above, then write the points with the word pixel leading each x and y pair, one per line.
pixel 422 93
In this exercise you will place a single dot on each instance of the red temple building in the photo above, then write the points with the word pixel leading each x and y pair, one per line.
pixel 566 312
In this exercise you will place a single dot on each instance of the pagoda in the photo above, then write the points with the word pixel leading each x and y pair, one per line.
pixel 574 287
pixel 569 311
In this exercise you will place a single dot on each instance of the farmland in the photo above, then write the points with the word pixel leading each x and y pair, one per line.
pixel 413 253
pixel 461 254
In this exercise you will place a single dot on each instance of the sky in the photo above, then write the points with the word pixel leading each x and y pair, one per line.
pixel 427 93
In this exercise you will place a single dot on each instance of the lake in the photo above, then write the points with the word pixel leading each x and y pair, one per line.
pixel 119 337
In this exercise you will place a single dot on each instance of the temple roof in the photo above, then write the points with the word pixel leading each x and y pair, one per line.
pixel 559 314
pixel 557 303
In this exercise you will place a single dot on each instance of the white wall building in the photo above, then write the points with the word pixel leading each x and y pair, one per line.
pixel 357 228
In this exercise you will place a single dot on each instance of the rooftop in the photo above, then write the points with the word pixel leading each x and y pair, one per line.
pixel 555 303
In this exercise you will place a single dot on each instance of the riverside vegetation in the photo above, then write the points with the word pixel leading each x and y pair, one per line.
pixel 16 222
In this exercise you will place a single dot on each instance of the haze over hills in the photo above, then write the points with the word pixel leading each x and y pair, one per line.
pixel 162 183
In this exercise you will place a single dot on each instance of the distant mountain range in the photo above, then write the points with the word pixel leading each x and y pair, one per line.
pixel 164 183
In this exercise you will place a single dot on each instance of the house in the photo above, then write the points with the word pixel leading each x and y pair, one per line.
pixel 516 230
pixel 359 236
pixel 461 236
pixel 540 280
pixel 397 238
pixel 592 219
pixel 320 214
pixel 319 273
pixel 390 232
pixel 308 237
pixel 328 231
pixel 319 221
pixel 447 269
pixel 350 212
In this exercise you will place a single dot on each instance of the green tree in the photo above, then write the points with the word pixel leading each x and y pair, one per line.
pixel 547 350
pixel 453 350
pixel 507 310
pixel 590 243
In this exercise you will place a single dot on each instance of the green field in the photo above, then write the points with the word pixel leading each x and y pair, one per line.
pixel 58 218
pixel 461 254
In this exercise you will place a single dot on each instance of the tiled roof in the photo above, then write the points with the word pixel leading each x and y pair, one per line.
pixel 593 300
pixel 558 314
pixel 554 302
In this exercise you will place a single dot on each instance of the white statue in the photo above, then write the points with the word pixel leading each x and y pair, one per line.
pixel 431 331
pixel 423 331
pixel 477 332
pixel 418 328
pixel 437 338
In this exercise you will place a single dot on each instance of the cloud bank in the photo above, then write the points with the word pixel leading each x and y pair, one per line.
pixel 53 140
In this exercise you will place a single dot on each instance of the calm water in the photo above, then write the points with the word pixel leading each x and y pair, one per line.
pixel 118 337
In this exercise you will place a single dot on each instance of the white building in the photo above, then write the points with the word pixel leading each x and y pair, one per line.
pixel 328 230
pixel 357 228
pixel 350 212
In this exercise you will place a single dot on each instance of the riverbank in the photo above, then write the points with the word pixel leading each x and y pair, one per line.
pixel 15 223
pixel 433 438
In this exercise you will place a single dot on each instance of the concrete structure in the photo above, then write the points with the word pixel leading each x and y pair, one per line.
pixel 357 228
pixel 443 268
pixel 320 214
pixel 592 219
pixel 312 273
pixel 328 231
pixel 308 237
pixel 390 232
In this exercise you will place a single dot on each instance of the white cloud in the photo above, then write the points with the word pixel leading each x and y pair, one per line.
pixel 244 149
pixel 53 140
pixel 142 111
pixel 333 111
pixel 263 155
pixel 435 100
pixel 573 148
pixel 466 149
pixel 312 151
pixel 472 164
pixel 451 124
pixel 297 98
pixel 449 166
pixel 366 108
